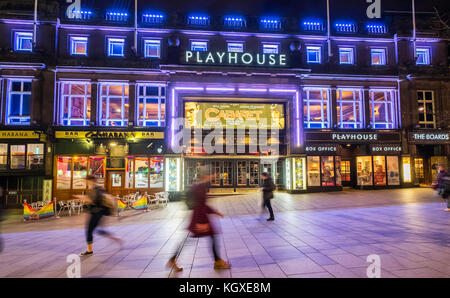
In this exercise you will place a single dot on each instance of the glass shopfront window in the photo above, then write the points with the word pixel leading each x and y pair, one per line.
pixel 313 170
pixel 141 172
pixel 406 166
pixel 17 156
pixel 63 172
pixel 80 166
pixel 71 171
pixel 129 177
pixel 364 170
pixel 97 168
pixel 156 172
pixel 379 166
pixel 35 156
pixel 393 170
pixel 338 170
pixel 173 174
pixel 327 164
pixel 3 156
pixel 299 175
pixel 144 172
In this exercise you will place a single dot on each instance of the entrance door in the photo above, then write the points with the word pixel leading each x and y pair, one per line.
pixel 254 173
pixel 242 173
pixel 116 182
pixel 346 173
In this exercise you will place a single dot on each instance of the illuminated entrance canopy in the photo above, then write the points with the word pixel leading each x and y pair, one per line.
pixel 231 58
pixel 209 115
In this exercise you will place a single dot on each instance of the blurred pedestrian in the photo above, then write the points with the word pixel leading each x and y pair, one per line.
pixel 267 192
pixel 100 204
pixel 443 185
pixel 200 225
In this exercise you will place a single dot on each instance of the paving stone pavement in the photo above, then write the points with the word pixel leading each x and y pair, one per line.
pixel 314 235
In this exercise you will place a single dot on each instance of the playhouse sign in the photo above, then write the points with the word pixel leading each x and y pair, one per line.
pixel 233 58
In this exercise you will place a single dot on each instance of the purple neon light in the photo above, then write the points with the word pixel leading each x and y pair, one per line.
pixel 220 89
pixel 252 90
pixel 282 90
pixel 297 102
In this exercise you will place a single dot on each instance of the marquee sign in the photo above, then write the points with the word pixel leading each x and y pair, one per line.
pixel 353 137
pixel 210 115
pixel 234 59
pixel 19 134
pixel 109 134
pixel 430 137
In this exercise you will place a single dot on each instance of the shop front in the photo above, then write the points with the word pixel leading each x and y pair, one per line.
pixel 123 162
pixel 430 149
pixel 22 166
pixel 333 160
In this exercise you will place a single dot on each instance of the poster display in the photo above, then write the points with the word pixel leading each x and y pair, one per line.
pixel 364 170
pixel 313 170
pixel 393 170
pixel 379 166
pixel 338 171
pixel 327 164
pixel 299 173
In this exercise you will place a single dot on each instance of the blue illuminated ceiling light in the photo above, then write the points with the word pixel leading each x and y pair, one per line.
pixel 313 26
pixel 376 29
pixel 117 16
pixel 345 27
pixel 270 23
pixel 198 20
pixel 153 18
pixel 235 22
pixel 82 14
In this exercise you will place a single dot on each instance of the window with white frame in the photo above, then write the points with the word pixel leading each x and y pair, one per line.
pixel 19 99
pixel 79 45
pixel 423 56
pixel 116 47
pixel 235 47
pixel 200 46
pixel 382 109
pixel 346 56
pixel 152 48
pixel 378 56
pixel 152 105
pixel 316 108
pixel 75 103
pixel 23 41
pixel 271 48
pixel 313 54
pixel 349 108
pixel 425 101
pixel 114 104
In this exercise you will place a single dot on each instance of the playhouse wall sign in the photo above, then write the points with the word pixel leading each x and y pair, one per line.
pixel 233 58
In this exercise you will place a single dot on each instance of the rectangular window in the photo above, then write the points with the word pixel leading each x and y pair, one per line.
pixel 364 170
pixel 114 104
pixel 78 45
pixel 19 96
pixel 156 172
pixel 349 108
pixel 116 47
pixel 313 170
pixel 382 109
pixel 378 56
pixel 23 41
pixel 152 105
pixel 313 54
pixel 236 47
pixel 426 109
pixel 35 156
pixel 141 172
pixel 379 170
pixel 63 172
pixel 271 48
pixel 327 164
pixel 17 156
pixel 75 103
pixel 346 56
pixel 3 156
pixel 200 46
pixel 316 112
pixel 393 170
pixel 152 49
pixel 423 56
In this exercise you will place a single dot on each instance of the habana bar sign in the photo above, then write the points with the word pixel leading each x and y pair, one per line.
pixel 237 59
pixel 18 134
pixel 109 134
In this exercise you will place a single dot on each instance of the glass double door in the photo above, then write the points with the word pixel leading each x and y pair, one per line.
pixel 222 172
pixel 248 173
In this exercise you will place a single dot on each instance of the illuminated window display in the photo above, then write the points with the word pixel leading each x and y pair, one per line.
pixel 379 173
pixel 327 164
pixel 97 168
pixel 298 173
pixel 129 177
pixel 345 171
pixel 156 172
pixel 338 171
pixel 173 174
pixel 17 155
pixel 418 168
pixel 71 171
pixel 3 156
pixel 141 172
pixel 364 170
pixel 80 165
pixel 144 172
pixel 64 172
pixel 288 173
pixel 406 166
pixel 313 170
pixel 393 170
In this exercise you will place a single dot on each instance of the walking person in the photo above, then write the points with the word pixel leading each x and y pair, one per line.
pixel 443 186
pixel 100 204
pixel 267 190
pixel 200 225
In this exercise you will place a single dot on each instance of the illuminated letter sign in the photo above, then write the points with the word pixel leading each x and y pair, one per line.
pixel 73 8
pixel 230 58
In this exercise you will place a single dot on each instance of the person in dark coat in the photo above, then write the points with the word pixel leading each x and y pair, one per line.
pixel 267 189
pixel 200 225
pixel 442 186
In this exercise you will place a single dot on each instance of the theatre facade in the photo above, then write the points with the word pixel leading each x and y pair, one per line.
pixel 143 106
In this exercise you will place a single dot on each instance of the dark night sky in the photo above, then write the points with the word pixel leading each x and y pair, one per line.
pixel 352 9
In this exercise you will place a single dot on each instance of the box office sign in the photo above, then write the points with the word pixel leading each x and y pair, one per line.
pixel 234 59
pixel 386 149
pixel 353 137
pixel 321 149
pixel 210 115
pixel 430 137
pixel 19 134
pixel 109 135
